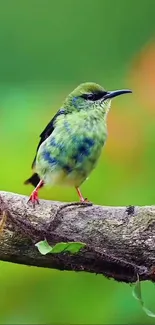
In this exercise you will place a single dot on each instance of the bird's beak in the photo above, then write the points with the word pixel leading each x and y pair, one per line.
pixel 112 94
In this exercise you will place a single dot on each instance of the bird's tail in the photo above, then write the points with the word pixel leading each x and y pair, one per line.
pixel 34 180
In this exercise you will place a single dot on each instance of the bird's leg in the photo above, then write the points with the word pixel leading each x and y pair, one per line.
pixel 34 195
pixel 82 200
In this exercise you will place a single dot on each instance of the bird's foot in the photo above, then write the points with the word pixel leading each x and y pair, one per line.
pixel 34 198
pixel 82 200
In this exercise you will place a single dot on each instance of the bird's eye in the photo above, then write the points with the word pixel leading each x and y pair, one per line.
pixel 88 96
pixel 94 96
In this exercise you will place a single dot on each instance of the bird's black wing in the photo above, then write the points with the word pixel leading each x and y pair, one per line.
pixel 48 131
pixel 34 179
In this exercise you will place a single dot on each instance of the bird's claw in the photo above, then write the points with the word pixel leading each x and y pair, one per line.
pixel 34 198
pixel 85 200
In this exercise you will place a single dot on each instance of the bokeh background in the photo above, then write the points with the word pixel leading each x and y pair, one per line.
pixel 46 49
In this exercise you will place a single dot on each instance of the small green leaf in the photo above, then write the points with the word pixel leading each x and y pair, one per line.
pixel 137 295
pixel 59 248
pixel 44 247
pixel 137 290
pixel 72 247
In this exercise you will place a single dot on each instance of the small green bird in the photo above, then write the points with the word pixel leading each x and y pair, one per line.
pixel 72 142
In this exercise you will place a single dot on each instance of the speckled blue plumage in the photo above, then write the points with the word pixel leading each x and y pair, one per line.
pixel 72 150
pixel 71 143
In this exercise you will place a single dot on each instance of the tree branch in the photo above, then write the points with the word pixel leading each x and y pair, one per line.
pixel 120 241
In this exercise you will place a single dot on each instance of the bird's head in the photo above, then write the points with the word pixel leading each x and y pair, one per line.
pixel 90 95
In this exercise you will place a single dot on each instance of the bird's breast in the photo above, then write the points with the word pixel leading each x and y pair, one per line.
pixel 72 150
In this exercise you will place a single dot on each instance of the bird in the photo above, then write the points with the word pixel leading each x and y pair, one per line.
pixel 72 142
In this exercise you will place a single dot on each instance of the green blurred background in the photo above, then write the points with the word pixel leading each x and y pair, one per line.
pixel 46 49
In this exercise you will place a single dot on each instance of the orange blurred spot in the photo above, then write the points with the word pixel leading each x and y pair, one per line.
pixel 143 76
pixel 124 144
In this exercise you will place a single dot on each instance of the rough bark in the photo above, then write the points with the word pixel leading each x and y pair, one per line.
pixel 120 241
